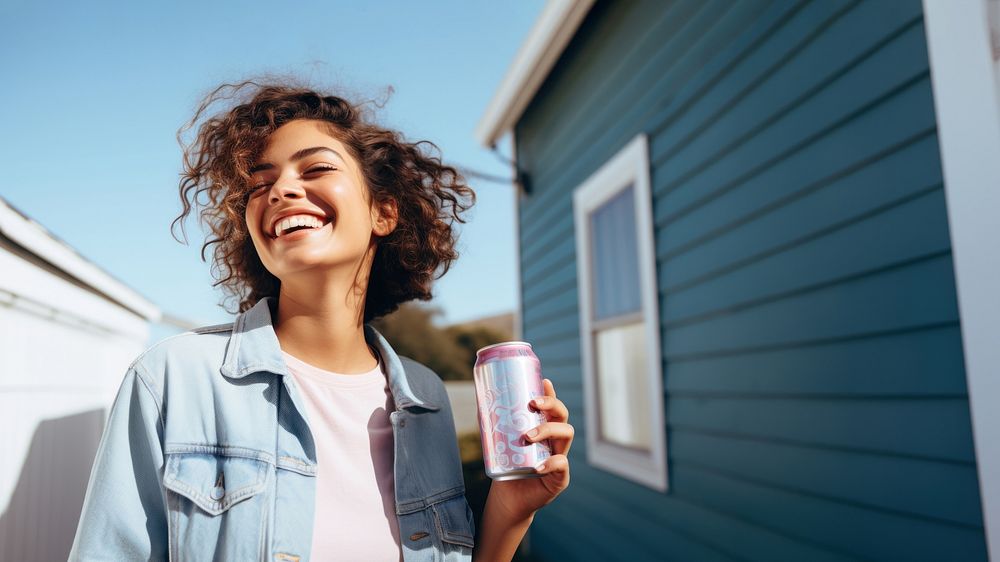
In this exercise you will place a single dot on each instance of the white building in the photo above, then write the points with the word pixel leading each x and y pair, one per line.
pixel 68 332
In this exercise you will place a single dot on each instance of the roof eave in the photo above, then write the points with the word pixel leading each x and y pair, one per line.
pixel 546 41
pixel 36 239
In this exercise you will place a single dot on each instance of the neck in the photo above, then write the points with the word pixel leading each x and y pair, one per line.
pixel 320 321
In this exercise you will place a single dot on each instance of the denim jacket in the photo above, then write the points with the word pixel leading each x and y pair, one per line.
pixel 207 455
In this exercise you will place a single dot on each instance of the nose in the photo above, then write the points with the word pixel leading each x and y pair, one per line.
pixel 285 188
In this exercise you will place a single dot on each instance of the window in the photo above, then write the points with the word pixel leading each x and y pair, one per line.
pixel 619 319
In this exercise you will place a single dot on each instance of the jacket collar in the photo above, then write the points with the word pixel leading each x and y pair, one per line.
pixel 253 347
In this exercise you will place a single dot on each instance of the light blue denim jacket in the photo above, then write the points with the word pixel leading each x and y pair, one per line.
pixel 207 455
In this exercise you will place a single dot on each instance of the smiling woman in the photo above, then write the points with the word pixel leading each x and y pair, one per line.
pixel 296 432
pixel 309 212
pixel 228 162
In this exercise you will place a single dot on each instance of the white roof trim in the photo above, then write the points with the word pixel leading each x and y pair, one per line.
pixel 546 41
pixel 39 241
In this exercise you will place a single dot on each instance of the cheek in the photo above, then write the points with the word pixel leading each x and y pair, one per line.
pixel 345 191
pixel 252 218
pixel 352 209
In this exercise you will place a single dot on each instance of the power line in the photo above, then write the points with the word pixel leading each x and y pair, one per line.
pixel 469 173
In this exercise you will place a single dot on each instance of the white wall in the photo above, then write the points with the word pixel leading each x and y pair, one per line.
pixel 63 353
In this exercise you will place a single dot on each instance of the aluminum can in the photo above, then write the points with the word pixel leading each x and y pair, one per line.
pixel 508 376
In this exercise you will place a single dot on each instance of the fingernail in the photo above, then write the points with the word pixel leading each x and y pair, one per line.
pixel 532 432
pixel 538 401
pixel 540 466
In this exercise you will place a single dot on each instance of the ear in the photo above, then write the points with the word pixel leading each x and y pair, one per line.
pixel 385 216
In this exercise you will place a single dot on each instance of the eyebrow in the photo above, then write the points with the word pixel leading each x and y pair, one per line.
pixel 296 157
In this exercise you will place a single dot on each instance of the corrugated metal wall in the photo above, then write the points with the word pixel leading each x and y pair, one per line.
pixel 816 398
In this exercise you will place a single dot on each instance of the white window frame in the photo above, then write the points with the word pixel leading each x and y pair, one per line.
pixel 963 77
pixel 630 166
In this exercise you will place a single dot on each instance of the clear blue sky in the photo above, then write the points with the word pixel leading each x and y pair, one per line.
pixel 94 93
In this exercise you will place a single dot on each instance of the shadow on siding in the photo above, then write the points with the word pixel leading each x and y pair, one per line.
pixel 40 521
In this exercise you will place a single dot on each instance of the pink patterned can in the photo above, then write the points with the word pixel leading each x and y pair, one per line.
pixel 508 375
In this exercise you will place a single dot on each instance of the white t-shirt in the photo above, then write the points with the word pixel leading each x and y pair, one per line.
pixel 355 515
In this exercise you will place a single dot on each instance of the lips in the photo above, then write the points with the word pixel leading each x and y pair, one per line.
pixel 292 212
pixel 299 234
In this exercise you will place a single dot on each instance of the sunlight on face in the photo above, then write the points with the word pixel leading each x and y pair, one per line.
pixel 305 170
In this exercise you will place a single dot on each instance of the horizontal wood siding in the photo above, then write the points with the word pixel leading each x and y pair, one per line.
pixel 816 399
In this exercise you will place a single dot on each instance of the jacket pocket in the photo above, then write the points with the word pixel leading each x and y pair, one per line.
pixel 454 521
pixel 214 481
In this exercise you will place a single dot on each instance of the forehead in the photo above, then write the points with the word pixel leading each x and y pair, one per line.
pixel 296 135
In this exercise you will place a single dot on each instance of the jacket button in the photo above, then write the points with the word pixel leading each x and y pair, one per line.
pixel 402 423
pixel 418 536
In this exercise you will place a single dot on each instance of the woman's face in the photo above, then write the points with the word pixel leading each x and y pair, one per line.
pixel 305 171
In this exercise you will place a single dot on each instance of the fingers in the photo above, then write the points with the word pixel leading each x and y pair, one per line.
pixel 558 466
pixel 549 388
pixel 561 435
pixel 555 463
pixel 552 407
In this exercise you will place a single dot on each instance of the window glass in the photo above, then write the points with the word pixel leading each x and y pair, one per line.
pixel 622 385
pixel 615 260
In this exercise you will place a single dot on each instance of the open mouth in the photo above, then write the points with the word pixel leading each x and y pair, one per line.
pixel 297 233
pixel 296 228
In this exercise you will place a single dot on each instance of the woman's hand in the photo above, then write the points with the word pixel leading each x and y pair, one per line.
pixel 522 497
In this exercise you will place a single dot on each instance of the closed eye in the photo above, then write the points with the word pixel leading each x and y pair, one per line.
pixel 309 171
pixel 320 169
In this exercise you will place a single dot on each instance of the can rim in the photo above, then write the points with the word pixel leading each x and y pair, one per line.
pixel 502 344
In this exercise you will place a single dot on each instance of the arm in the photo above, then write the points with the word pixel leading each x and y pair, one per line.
pixel 501 532
pixel 511 505
pixel 123 516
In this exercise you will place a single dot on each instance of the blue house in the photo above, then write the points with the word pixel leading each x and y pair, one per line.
pixel 759 246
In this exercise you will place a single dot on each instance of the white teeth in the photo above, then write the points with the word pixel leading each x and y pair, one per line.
pixel 296 220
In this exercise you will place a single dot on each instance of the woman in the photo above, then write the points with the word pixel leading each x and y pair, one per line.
pixel 296 432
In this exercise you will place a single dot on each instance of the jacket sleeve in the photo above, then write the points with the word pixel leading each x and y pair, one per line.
pixel 123 516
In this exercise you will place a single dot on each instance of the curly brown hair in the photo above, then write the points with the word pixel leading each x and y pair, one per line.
pixel 428 194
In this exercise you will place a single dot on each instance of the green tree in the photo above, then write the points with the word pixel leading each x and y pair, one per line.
pixel 411 332
pixel 471 339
